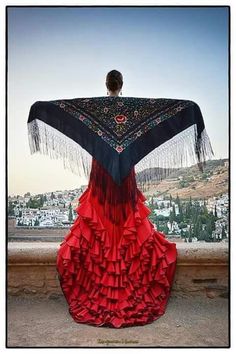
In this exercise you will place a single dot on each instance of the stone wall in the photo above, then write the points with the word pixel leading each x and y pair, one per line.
pixel 202 269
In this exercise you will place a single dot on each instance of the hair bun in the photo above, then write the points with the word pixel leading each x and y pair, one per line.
pixel 114 80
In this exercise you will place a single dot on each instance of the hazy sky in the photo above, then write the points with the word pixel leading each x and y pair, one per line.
pixel 66 52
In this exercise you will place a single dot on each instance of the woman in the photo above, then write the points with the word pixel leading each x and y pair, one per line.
pixel 114 268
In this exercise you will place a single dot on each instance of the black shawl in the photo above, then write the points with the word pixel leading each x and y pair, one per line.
pixel 120 132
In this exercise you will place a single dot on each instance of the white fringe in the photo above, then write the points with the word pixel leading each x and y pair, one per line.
pixel 47 140
pixel 183 150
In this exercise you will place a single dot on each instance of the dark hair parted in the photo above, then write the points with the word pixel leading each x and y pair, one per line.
pixel 114 80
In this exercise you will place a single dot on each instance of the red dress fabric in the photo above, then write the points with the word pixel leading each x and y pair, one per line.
pixel 115 269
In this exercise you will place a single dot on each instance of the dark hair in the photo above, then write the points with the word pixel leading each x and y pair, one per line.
pixel 114 80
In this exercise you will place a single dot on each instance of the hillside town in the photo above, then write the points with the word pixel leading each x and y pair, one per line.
pixel 188 220
pixel 191 220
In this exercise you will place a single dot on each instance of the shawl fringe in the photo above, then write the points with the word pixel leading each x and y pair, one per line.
pixel 47 140
pixel 185 149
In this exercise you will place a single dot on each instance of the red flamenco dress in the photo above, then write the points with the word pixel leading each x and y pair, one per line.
pixel 115 269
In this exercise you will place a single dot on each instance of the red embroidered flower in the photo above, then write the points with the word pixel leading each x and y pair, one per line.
pixel 81 117
pixel 120 118
pixel 119 148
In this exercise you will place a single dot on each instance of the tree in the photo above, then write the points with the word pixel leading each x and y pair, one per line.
pixel 223 233
pixel 177 200
pixel 209 229
pixel 203 235
pixel 188 210
pixel 165 229
pixel 36 223
pixel 215 212
pixel 171 218
pixel 33 203
pixel 190 200
pixel 197 227
pixel 212 219
pixel 182 225
pixel 190 234
pixel 186 236
pixel 41 200
pixel 70 217
pixel 174 212
pixel 11 207
pixel 181 215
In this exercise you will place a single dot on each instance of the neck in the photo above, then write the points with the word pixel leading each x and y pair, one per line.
pixel 113 93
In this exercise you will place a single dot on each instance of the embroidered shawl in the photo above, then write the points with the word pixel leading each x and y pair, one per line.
pixel 120 133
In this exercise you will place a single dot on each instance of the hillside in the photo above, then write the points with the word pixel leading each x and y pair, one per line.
pixel 190 181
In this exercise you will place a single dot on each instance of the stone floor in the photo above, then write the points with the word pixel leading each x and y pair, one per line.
pixel 188 322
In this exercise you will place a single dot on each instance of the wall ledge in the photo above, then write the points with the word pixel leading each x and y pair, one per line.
pixel 202 269
pixel 188 253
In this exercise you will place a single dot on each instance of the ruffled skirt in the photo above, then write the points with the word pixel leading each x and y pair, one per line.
pixel 115 274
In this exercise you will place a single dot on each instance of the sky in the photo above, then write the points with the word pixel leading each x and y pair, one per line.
pixel 66 52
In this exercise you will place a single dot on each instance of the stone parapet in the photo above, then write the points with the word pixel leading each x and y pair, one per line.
pixel 202 269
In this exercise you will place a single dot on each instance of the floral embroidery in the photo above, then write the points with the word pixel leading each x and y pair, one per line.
pixel 119 148
pixel 120 118
pixel 178 109
pixel 136 116
pixel 139 133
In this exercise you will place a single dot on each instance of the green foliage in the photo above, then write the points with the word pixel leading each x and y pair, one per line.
pixel 34 203
pixel 183 184
pixel 190 179
pixel 70 217
pixel 204 176
pixel 223 233
pixel 190 213
pixel 165 229
pixel 11 207
pixel 161 217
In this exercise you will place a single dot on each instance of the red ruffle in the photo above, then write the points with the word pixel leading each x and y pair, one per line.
pixel 115 276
